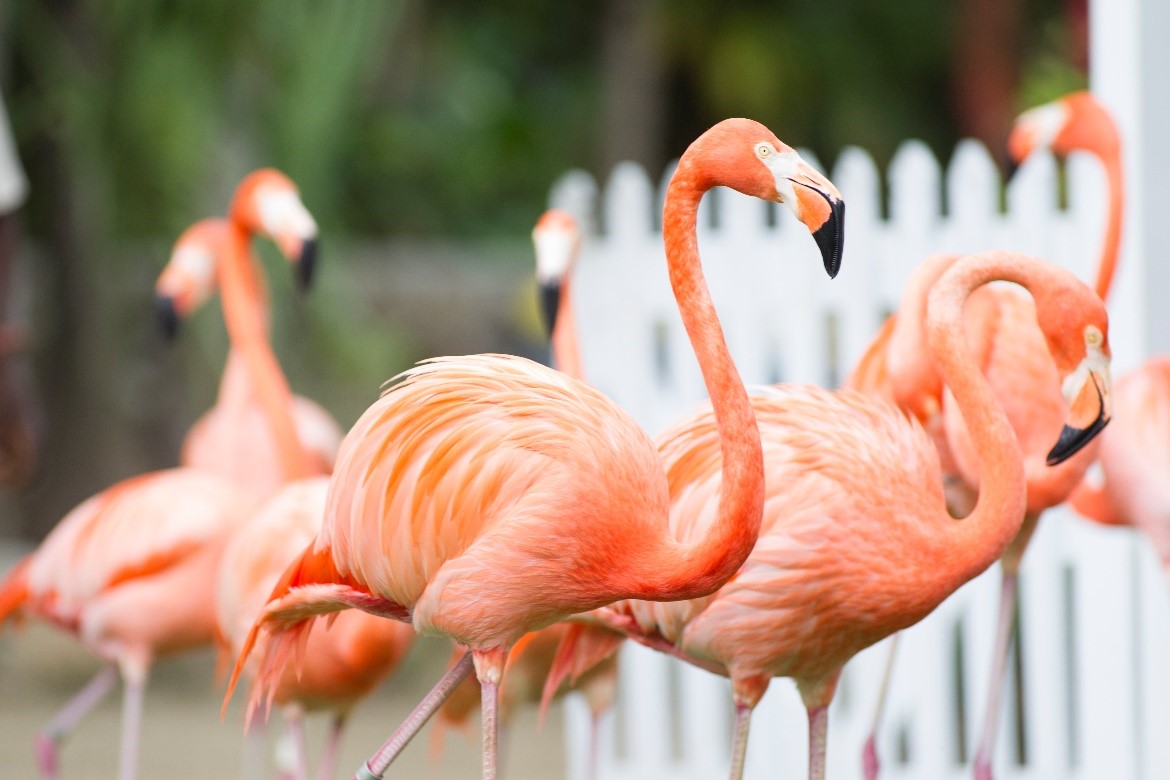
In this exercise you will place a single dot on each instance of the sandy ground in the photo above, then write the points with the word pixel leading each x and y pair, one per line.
pixel 184 739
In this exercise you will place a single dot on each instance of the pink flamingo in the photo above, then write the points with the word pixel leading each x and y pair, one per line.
pixel 1014 358
pixel 342 664
pixel 127 573
pixel 856 541
pixel 257 434
pixel 486 496
pixel 534 671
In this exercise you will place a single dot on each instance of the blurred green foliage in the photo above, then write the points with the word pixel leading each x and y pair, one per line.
pixel 416 117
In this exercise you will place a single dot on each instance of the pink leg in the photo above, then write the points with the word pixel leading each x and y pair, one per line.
pixel 133 686
pixel 818 734
pixel 869 756
pixel 380 761
pixel 594 746
pixel 326 770
pixel 1003 640
pixel 296 730
pixel 68 717
pixel 743 720
pixel 489 669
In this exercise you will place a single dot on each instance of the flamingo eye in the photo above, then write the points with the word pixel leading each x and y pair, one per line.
pixel 1092 336
pixel 763 150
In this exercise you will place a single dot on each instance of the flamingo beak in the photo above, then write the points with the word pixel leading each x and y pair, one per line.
pixel 1088 415
pixel 167 315
pixel 817 204
pixel 307 264
pixel 550 302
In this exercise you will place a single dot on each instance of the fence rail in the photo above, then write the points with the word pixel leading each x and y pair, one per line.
pixel 1087 699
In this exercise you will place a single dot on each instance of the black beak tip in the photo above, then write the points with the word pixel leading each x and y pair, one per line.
pixel 1010 168
pixel 307 264
pixel 830 237
pixel 168 318
pixel 550 301
pixel 1072 440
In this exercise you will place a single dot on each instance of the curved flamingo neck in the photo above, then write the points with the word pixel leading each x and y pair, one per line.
pixel 245 314
pixel 699 568
pixel 566 352
pixel 978 540
pixel 1111 247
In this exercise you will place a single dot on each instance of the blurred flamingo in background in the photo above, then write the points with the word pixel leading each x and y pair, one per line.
pixel 556 240
pixel 486 496
pixel 258 434
pixel 1014 358
pixel 127 572
pixel 856 541
pixel 343 663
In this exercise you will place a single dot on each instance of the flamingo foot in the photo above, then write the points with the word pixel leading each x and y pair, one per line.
pixel 869 760
pixel 46 750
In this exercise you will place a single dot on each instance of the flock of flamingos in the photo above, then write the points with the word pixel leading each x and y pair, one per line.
pixel 518 511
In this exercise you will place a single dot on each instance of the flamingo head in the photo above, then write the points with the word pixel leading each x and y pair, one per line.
pixel 1076 327
pixel 746 156
pixel 189 277
pixel 267 202
pixel 556 241
pixel 1075 122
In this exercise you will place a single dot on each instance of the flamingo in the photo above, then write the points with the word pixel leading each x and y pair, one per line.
pixel 897 367
pixel 534 670
pixel 486 496
pixel 342 664
pixel 856 541
pixel 257 434
pixel 126 572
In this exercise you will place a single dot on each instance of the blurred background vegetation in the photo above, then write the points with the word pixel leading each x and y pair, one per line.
pixel 424 136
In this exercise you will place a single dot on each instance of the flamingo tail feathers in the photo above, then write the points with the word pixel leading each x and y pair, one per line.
pixel 562 667
pixel 582 648
pixel 310 586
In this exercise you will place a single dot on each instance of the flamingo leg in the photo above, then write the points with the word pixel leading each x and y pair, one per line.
pixel 380 761
pixel 869 756
pixel 490 704
pixel 325 771
pixel 594 746
pixel 133 685
pixel 255 751
pixel 296 731
pixel 743 720
pixel 68 717
pixel 1003 639
pixel 818 736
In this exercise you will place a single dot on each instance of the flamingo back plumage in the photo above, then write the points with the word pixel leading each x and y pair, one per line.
pixel 464 488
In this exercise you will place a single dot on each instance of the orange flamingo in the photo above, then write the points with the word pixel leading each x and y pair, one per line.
pixel 856 541
pixel 486 496
pixel 257 434
pixel 1078 122
pixel 342 664
pixel 1014 357
pixel 126 572
pixel 592 669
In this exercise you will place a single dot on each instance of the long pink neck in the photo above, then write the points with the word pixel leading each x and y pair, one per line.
pixel 1112 244
pixel 566 351
pixel 245 315
pixel 974 543
pixel 693 570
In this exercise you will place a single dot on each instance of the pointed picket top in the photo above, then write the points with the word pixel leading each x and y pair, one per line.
pixel 857 177
pixel 1088 205
pixel 576 193
pixel 1032 200
pixel 972 183
pixel 740 215
pixel 914 186
pixel 627 205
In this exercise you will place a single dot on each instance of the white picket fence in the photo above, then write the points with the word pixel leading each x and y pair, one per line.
pixel 1092 682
